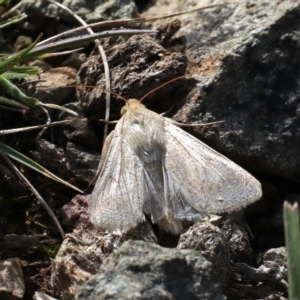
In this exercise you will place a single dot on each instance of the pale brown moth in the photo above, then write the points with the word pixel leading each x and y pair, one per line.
pixel 149 165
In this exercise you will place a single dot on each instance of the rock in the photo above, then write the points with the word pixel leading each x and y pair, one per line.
pixel 18 242
pixel 238 240
pixel 53 86
pixel 270 273
pixel 81 131
pixel 83 252
pixel 40 63
pixel 42 296
pixel 254 292
pixel 47 153
pixel 212 244
pixel 276 254
pixel 12 286
pixel 74 213
pixel 137 65
pixel 22 42
pixel 82 163
pixel 140 270
pixel 90 11
pixel 80 256
pixel 75 60
pixel 248 75
pixel 244 59
pixel 268 281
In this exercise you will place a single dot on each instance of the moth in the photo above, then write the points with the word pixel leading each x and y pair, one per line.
pixel 151 166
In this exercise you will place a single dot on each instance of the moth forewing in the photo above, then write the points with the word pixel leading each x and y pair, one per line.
pixel 153 166
pixel 117 199
pixel 105 148
pixel 210 182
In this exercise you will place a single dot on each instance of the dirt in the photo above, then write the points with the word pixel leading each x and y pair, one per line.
pixel 138 64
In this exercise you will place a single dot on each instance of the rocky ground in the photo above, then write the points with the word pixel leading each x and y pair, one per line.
pixel 242 62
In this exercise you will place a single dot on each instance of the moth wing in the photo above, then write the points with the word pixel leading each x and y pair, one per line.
pixel 117 199
pixel 176 200
pixel 105 149
pixel 210 182
pixel 153 201
pixel 161 206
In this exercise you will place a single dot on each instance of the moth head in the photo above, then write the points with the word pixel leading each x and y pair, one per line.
pixel 131 104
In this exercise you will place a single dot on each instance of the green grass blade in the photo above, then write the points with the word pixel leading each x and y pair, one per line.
pixel 4 149
pixel 14 75
pixel 292 241
pixel 12 103
pixel 16 93
pixel 21 72
pixel 7 62
pixel 13 20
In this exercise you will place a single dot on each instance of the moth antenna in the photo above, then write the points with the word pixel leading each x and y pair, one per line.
pixel 162 85
pixel 99 88
pixel 197 125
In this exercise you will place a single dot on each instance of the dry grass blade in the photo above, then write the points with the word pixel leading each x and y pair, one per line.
pixel 61 108
pixel 116 23
pixel 11 11
pixel 104 60
pixel 35 192
pixel 78 41
pixel 15 130
pixel 6 150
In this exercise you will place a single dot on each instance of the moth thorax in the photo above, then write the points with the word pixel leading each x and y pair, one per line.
pixel 130 105
pixel 133 103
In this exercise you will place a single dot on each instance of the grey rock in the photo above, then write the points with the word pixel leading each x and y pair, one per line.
pixel 84 250
pixel 277 255
pixel 42 296
pixel 268 281
pixel 47 153
pixel 89 10
pixel 82 163
pixel 270 273
pixel 18 242
pixel 75 60
pixel 238 240
pixel 249 68
pixel 12 286
pixel 80 256
pixel 212 244
pixel 139 270
pixel 81 131
pixel 262 291
pixel 137 65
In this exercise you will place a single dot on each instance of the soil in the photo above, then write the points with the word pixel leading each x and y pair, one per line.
pixel 138 64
